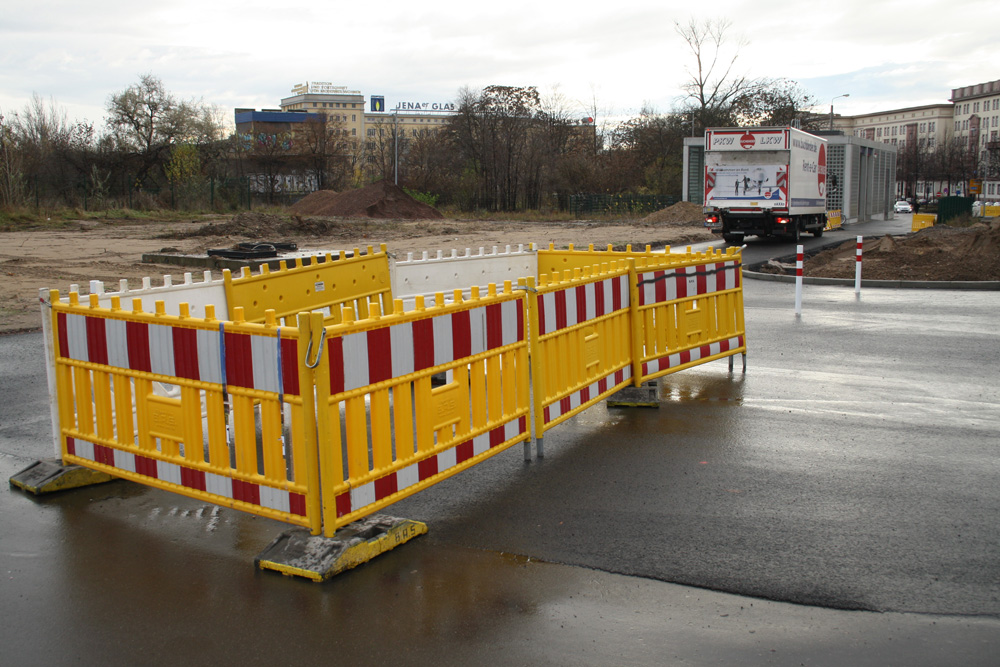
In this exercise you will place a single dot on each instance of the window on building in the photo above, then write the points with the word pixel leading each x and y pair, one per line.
pixel 354 131
pixel 878 132
pixel 930 143
pixel 930 126
pixel 354 117
pixel 371 131
pixel 923 127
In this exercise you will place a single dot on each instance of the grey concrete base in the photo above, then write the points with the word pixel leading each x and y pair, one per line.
pixel 50 475
pixel 297 553
pixel 643 396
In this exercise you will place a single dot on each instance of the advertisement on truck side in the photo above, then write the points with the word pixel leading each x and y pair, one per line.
pixel 749 185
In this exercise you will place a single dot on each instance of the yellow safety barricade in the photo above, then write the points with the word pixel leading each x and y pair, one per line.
pixel 385 431
pixel 320 285
pixel 686 311
pixel 208 409
pixel 322 423
pixel 922 220
pixel 834 220
pixel 580 345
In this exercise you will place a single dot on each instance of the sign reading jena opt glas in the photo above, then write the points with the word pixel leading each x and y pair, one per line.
pixel 378 104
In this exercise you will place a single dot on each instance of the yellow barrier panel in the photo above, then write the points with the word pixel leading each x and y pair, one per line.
pixel 209 409
pixel 686 313
pixel 922 220
pixel 991 211
pixel 581 352
pixel 386 432
pixel 355 281
pixel 833 220
pixel 321 424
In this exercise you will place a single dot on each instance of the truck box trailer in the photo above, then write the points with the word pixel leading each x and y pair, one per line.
pixel 764 181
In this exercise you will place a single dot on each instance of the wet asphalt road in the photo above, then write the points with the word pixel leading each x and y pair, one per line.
pixel 852 467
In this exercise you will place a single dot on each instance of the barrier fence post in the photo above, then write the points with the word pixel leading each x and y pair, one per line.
pixel 635 322
pixel 857 268
pixel 798 281
pixel 307 384
pixel 536 366
pixel 45 299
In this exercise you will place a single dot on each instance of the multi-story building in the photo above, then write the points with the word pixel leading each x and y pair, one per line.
pixel 977 127
pixel 969 126
pixel 372 136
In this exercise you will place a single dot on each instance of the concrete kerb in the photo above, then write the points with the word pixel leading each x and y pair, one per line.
pixel 751 273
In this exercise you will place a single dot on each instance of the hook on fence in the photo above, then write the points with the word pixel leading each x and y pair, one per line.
pixel 319 355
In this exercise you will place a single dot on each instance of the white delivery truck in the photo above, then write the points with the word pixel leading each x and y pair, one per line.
pixel 764 181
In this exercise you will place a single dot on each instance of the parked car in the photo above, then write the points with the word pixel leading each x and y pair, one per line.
pixel 902 207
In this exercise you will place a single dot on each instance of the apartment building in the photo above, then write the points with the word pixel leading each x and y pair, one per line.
pixel 972 118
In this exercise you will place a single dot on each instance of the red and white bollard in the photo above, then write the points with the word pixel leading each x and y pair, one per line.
pixel 857 268
pixel 798 281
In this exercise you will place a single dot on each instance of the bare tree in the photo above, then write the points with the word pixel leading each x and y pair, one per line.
pixel 716 94
pixel 146 121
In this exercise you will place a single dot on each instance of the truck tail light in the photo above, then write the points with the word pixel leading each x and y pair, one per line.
pixel 711 219
pixel 782 221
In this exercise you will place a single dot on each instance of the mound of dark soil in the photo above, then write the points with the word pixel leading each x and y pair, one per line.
pixel 681 213
pixel 934 253
pixel 378 200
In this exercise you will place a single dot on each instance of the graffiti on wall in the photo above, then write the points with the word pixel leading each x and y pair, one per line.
pixel 283 183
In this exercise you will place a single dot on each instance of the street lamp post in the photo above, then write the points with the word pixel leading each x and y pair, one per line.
pixel 831 107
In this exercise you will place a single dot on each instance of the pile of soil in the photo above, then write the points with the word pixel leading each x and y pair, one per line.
pixel 681 213
pixel 934 253
pixel 378 200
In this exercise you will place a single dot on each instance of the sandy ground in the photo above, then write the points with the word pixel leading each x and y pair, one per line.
pixel 111 250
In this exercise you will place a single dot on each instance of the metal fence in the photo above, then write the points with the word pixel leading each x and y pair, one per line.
pixel 617 203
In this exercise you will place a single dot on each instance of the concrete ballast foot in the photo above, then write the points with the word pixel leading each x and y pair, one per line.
pixel 643 396
pixel 297 553
pixel 50 475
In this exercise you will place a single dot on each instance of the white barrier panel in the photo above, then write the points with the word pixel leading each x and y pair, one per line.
pixel 196 294
pixel 428 274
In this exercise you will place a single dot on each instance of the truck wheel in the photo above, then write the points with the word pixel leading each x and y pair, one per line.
pixel 732 238
pixel 818 233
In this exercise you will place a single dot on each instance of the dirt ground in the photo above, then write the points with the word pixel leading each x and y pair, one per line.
pixel 113 249
pixel 110 250
pixel 934 253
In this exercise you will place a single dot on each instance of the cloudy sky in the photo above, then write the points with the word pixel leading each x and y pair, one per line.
pixel 615 57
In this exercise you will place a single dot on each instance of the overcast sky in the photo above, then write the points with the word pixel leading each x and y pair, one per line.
pixel 616 57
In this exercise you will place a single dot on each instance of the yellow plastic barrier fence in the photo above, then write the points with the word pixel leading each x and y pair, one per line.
pixel 922 220
pixel 385 431
pixel 581 352
pixel 833 220
pixel 322 423
pixel 208 409
pixel 991 211
pixel 686 312
pixel 355 281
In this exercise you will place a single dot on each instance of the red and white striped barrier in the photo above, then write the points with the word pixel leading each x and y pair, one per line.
pixel 368 357
pixel 798 280
pixel 857 266
pixel 280 500
pixel 690 356
pixel 206 355
pixel 388 485
pixel 569 403
pixel 571 306
pixel 673 284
